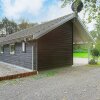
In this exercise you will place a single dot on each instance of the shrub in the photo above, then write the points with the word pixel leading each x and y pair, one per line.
pixel 95 55
pixel 92 62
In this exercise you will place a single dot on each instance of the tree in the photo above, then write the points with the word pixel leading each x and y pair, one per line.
pixel 10 26
pixel 25 24
pixel 91 7
pixel 96 34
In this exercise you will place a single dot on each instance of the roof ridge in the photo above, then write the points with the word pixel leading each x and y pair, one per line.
pixel 41 24
pixel 36 30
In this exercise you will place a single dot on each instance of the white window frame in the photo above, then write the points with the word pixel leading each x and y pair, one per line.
pixel 2 49
pixel 23 46
pixel 12 51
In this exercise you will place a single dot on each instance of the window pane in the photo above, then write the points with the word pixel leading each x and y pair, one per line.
pixel 1 49
pixel 12 49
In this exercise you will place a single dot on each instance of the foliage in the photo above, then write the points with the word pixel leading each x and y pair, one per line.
pixel 97 45
pixel 91 7
pixel 95 55
pixel 95 52
pixel 10 26
pixel 92 62
pixel 96 34
pixel 25 24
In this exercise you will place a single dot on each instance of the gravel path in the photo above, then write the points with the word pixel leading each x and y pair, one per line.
pixel 70 83
pixel 80 61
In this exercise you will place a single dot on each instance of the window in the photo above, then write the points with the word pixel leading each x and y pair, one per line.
pixel 1 49
pixel 12 48
pixel 23 47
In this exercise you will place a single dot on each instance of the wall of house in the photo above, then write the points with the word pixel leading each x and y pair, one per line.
pixel 55 49
pixel 19 58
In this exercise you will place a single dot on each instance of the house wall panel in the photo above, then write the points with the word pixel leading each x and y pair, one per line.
pixel 55 49
pixel 19 58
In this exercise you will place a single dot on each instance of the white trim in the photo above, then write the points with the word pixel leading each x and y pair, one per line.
pixel 32 59
pixel 23 46
pixel 36 56
pixel 20 67
pixel 2 48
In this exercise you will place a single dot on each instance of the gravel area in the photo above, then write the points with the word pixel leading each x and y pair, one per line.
pixel 70 83
pixel 80 61
pixel 7 69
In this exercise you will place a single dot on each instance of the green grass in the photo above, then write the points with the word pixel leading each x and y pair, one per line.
pixel 80 55
pixel 48 73
pixel 45 74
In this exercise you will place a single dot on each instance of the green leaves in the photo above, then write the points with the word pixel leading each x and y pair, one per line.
pixel 65 2
pixel 10 26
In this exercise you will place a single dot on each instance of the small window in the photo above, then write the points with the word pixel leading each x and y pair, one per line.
pixel 1 49
pixel 23 47
pixel 12 48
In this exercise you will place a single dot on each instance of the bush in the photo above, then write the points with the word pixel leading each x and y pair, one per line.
pixel 95 53
pixel 92 62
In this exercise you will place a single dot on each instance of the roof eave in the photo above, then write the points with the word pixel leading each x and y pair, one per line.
pixel 86 31
pixel 36 36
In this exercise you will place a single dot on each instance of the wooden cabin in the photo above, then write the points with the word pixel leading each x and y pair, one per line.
pixel 47 45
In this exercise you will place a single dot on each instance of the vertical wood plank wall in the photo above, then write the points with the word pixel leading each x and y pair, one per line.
pixel 19 58
pixel 55 49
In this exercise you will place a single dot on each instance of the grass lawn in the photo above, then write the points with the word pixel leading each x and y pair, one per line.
pixel 80 55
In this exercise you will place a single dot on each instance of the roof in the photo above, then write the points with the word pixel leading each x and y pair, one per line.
pixel 80 32
pixel 40 30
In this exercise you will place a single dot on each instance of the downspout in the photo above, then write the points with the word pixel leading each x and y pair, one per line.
pixel 32 58
pixel 36 55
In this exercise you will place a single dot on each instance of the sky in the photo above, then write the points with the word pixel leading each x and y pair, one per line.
pixel 35 11
pixel 32 10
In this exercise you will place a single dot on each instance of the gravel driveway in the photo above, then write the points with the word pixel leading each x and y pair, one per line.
pixel 70 83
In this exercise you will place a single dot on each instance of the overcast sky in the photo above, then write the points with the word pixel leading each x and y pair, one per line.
pixel 33 10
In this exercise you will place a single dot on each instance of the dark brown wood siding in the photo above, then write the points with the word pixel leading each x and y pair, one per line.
pixel 55 49
pixel 19 58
